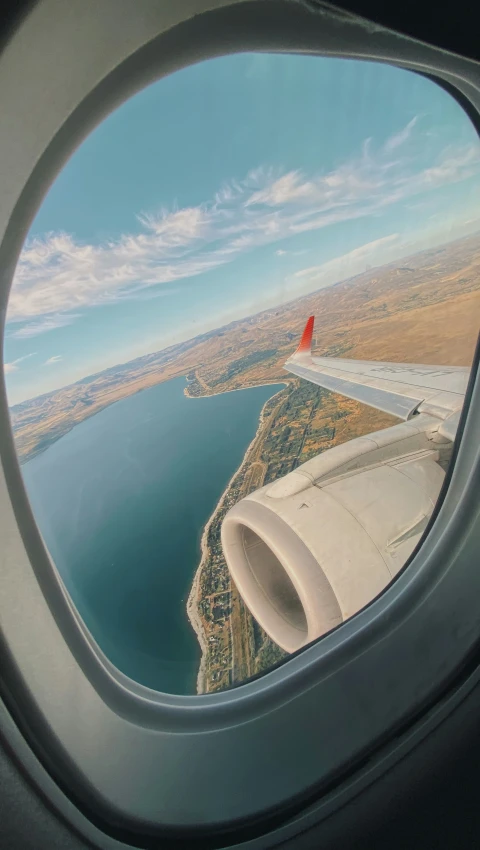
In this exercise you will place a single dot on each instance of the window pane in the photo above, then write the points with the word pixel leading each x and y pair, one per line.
pixel 209 510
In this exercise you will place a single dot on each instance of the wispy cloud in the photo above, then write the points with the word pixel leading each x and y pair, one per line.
pixel 14 364
pixel 347 264
pixel 401 137
pixel 282 252
pixel 48 323
pixel 58 277
pixel 52 360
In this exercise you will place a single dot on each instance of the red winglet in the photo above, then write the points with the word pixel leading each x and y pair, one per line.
pixel 306 340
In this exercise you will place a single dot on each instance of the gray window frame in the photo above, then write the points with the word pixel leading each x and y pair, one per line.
pixel 136 762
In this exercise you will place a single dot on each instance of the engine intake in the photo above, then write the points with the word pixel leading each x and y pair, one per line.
pixel 313 548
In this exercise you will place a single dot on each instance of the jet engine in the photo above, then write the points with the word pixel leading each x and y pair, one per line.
pixel 314 547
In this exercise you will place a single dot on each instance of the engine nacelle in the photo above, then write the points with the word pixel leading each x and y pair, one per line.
pixel 311 549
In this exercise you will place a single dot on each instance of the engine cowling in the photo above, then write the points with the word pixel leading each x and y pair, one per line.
pixel 311 549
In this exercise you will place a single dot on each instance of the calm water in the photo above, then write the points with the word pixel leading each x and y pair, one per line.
pixel 122 501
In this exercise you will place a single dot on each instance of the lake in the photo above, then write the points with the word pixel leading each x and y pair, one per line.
pixel 122 501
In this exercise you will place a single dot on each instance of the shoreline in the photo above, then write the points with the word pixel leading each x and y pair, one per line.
pixel 236 389
pixel 88 414
pixel 27 456
pixel 192 601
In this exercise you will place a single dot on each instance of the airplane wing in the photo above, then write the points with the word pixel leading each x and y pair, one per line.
pixel 402 389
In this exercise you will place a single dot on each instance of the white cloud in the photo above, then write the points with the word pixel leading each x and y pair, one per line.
pixel 290 187
pixel 52 360
pixel 179 228
pixel 8 368
pixel 347 264
pixel 454 161
pixel 49 323
pixel 57 277
pixel 282 253
pixel 401 137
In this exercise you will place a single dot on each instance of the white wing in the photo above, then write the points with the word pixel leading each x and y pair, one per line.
pixel 402 389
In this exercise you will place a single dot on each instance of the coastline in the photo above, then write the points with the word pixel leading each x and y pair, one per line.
pixel 87 413
pixel 192 602
pixel 238 390
pixel 195 619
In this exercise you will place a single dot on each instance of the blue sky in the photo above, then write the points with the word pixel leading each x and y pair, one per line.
pixel 226 188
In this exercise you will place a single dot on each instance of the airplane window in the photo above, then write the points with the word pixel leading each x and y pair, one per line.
pixel 238 343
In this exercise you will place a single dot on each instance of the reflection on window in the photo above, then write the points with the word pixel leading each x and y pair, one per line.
pixel 219 478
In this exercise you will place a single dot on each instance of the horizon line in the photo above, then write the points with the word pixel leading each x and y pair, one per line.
pixel 234 321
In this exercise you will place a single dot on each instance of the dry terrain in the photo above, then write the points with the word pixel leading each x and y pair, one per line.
pixel 425 309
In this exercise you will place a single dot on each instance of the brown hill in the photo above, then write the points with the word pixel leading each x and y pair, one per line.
pixel 424 309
